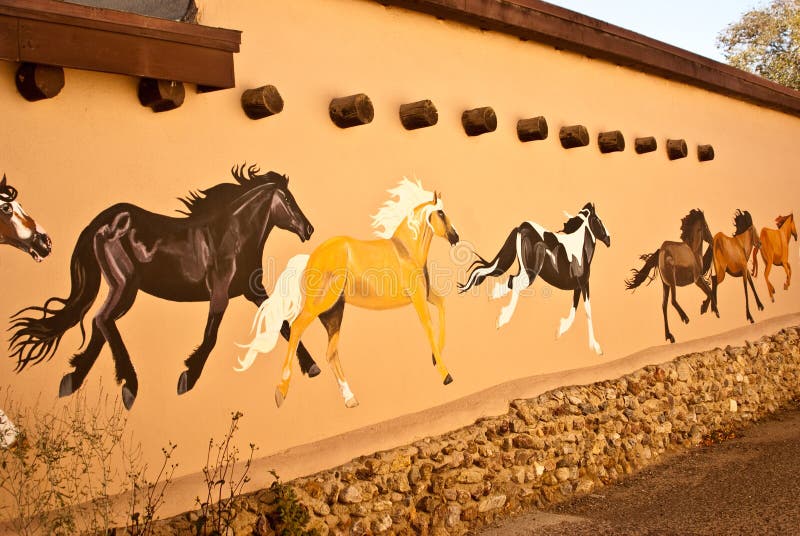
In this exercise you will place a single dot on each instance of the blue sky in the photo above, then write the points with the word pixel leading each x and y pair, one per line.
pixel 689 24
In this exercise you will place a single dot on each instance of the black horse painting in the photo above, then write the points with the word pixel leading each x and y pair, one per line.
pixel 212 254
pixel 562 259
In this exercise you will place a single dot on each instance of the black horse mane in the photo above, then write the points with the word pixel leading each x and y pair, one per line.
pixel 7 192
pixel 575 222
pixel 743 221
pixel 688 221
pixel 218 196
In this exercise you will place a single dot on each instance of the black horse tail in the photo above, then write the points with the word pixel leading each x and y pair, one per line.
pixel 36 339
pixel 481 268
pixel 639 276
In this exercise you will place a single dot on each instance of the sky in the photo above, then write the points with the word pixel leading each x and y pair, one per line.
pixel 689 24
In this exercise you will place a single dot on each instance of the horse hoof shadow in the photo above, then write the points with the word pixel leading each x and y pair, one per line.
pixel 128 397
pixel 448 379
pixel 313 371
pixel 279 398
pixel 66 388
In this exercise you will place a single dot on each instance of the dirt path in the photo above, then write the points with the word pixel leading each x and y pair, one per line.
pixel 746 485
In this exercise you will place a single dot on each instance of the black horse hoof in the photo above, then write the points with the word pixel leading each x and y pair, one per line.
pixel 670 338
pixel 448 380
pixel 183 382
pixel 66 389
pixel 433 358
pixel 313 371
pixel 128 397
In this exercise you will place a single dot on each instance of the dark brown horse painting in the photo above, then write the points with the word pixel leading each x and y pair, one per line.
pixel 680 264
pixel 730 257
pixel 213 254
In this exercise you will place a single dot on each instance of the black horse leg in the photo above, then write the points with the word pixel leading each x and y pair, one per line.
pixel 753 288
pixel 710 298
pixel 664 302
pixel 747 302
pixel 82 361
pixel 677 307
pixel 118 302
pixel 307 364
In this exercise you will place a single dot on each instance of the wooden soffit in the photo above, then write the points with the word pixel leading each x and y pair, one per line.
pixel 564 29
pixel 57 33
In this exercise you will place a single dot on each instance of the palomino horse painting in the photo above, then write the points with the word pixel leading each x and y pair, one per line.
pixel 18 229
pixel 209 255
pixel 730 257
pixel 341 271
pixel 562 259
pixel 680 264
pixel 775 250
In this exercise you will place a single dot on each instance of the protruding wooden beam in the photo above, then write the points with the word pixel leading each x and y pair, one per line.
pixel 705 153
pixel 262 102
pixel 479 121
pixel 36 82
pixel 532 129
pixel 418 114
pixel 573 136
pixel 644 145
pixel 677 149
pixel 351 111
pixel 611 142
pixel 161 95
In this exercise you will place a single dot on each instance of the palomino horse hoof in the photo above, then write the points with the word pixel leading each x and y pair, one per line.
pixel 313 371
pixel 65 389
pixel 279 397
pixel 351 402
pixel 128 397
pixel 448 379
pixel 433 358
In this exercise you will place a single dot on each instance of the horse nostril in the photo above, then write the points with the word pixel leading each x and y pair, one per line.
pixel 310 230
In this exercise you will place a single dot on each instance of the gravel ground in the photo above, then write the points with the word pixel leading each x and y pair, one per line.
pixel 745 485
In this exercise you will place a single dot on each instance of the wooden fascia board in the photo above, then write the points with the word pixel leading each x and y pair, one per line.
pixel 80 37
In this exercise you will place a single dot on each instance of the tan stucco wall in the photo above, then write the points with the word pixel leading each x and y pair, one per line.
pixel 94 145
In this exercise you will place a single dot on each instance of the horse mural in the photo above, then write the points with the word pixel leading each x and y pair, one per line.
pixel 680 264
pixel 341 271
pixel 730 257
pixel 562 259
pixel 775 250
pixel 18 229
pixel 212 254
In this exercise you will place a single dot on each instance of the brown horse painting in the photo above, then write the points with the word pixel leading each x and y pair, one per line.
pixel 775 250
pixel 730 257
pixel 680 264
pixel 18 229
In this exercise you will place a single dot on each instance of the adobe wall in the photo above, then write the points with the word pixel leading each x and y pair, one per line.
pixel 92 146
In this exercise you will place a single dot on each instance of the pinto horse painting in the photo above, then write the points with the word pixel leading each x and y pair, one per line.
pixel 775 250
pixel 342 271
pixel 18 229
pixel 561 259
pixel 680 264
pixel 730 257
pixel 209 255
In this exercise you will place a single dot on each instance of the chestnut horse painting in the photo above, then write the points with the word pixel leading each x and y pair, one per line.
pixel 210 255
pixel 775 250
pixel 680 264
pixel 561 259
pixel 730 257
pixel 342 271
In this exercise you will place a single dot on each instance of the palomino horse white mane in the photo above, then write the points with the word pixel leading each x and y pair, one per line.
pixel 409 196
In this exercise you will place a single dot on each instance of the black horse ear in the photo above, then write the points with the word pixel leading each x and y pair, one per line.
pixel 3 182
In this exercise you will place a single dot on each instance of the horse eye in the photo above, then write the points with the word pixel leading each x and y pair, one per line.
pixel 440 213
pixel 6 209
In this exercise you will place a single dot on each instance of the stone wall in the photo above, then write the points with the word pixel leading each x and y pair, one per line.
pixel 563 443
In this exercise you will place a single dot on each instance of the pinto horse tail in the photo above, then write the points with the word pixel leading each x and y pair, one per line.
pixel 283 305
pixel 481 268
pixel 640 276
pixel 35 339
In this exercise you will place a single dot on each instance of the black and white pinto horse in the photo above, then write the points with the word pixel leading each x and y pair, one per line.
pixel 562 259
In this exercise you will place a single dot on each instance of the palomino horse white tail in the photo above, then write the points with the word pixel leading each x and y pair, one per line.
pixel 342 270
